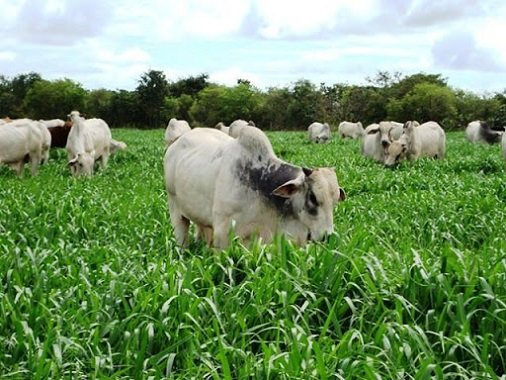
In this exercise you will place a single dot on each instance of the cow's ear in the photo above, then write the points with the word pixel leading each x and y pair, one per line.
pixel 342 195
pixel 307 171
pixel 72 162
pixel 288 189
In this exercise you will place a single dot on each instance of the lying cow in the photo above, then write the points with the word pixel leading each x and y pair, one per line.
pixel 351 130
pixel 426 140
pixel 174 129
pixel 479 132
pixel 89 140
pixel 220 183
pixel 318 132
pixel 18 142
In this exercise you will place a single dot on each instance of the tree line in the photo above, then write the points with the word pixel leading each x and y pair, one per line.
pixel 156 99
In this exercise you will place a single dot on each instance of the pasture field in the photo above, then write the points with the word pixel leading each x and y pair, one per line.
pixel 412 284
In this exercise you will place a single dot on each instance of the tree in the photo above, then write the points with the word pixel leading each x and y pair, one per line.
pixel 99 103
pixel 151 91
pixel 54 99
pixel 307 105
pixel 425 102
pixel 220 103
pixel 189 86
pixel 13 92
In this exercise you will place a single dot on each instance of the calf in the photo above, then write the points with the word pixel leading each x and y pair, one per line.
pixel 221 183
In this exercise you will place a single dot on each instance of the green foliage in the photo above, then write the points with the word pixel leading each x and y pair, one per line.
pixel 425 102
pixel 195 99
pixel 226 104
pixel 189 86
pixel 54 99
pixel 151 91
pixel 410 285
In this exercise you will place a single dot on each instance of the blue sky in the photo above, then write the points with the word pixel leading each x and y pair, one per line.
pixel 109 44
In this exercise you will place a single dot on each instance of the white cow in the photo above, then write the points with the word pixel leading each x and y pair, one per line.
pixel 352 130
pixel 174 129
pixel 378 137
pixel 237 126
pixel 19 141
pixel 426 140
pixel 389 131
pixel 371 143
pixel 318 132
pixel 221 183
pixel 42 136
pixel 88 141
pixel 479 132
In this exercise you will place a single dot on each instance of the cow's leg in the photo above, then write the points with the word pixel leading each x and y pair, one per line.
pixel 205 233
pixel 105 160
pixel 220 233
pixel 18 167
pixel 180 223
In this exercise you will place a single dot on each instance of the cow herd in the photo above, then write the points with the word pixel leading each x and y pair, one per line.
pixel 228 178
pixel 86 141
pixel 390 142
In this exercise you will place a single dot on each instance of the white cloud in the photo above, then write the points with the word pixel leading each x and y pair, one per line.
pixel 7 56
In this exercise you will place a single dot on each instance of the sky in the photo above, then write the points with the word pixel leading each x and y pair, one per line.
pixel 272 43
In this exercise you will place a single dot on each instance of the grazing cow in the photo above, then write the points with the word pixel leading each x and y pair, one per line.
pixel 88 141
pixel 426 140
pixel 237 126
pixel 318 132
pixel 42 136
pixel 389 131
pixel 221 183
pixel 352 130
pixel 20 141
pixel 174 129
pixel 479 132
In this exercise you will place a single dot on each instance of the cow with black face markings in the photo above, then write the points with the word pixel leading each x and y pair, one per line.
pixel 221 183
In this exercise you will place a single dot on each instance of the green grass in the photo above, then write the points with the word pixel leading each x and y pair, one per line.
pixel 412 284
